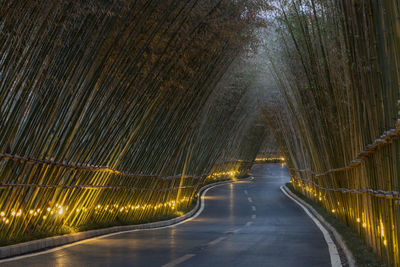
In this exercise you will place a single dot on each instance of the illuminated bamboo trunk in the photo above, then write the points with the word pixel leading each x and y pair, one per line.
pixel 110 113
pixel 339 79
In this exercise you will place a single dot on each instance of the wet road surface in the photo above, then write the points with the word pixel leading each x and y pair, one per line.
pixel 243 224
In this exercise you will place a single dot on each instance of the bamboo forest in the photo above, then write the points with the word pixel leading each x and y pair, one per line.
pixel 118 112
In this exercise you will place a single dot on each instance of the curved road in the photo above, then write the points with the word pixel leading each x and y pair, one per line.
pixel 243 224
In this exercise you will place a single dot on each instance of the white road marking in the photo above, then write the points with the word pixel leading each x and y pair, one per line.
pixel 245 191
pixel 253 216
pixel 179 260
pixel 253 208
pixel 234 231
pixel 216 241
pixel 333 252
pixel 250 199
pixel 249 223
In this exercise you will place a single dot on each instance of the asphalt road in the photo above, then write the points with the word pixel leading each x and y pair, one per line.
pixel 243 224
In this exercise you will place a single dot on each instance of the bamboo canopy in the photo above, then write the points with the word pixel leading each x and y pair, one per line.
pixel 112 112
pixel 117 111
pixel 337 70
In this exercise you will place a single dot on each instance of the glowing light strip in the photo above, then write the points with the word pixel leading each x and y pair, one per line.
pixel 377 193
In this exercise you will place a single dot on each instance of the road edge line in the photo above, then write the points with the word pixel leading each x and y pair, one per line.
pixel 333 252
pixel 55 243
pixel 348 254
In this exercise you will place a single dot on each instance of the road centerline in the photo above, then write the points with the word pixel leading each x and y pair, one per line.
pixel 216 241
pixel 179 260
pixel 233 231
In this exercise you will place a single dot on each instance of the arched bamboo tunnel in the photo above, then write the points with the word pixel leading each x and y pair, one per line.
pixel 111 112
pixel 117 112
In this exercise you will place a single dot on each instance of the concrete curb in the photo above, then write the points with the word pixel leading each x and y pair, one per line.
pixel 339 239
pixel 51 242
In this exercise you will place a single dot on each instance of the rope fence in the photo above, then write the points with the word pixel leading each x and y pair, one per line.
pixel 385 139
pixel 371 211
pixel 64 202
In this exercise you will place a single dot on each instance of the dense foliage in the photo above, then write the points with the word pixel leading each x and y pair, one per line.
pixel 110 110
pixel 336 65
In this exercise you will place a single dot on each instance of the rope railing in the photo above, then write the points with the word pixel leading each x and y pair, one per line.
pixel 377 193
pixel 96 168
pixel 373 192
pixel 385 139
pixel 114 202
pixel 106 169
pixel 91 167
